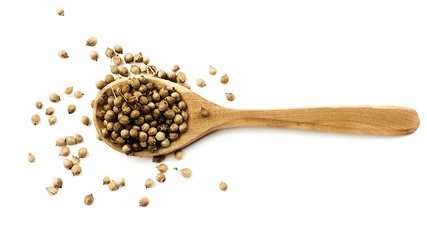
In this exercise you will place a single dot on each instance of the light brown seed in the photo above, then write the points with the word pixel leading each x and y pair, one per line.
pixel 85 120
pixel 79 138
pixel 160 177
pixel 162 167
pixel 62 53
pixel 52 120
pixel 223 186
pixel 60 12
pixel 31 158
pixel 57 183
pixel 175 68
pixel 65 151
pixel 91 41
pixel 114 69
pixel 51 190
pixel 68 90
pixel 71 108
pixel 186 172
pixel 121 182
pixel 230 97
pixel 118 49
pixel 106 180
pixel 78 94
pixel 39 105
pixel 128 58
pixel 181 77
pixel 224 79
pixel 75 160
pixel 212 70
pixel 145 60
pixel 135 69
pixel 88 199
pixel 138 57
pixel 94 55
pixel 178 154
pixel 123 71
pixel 200 82
pixel 68 164
pixel 50 111
pixel 143 202
pixel 109 52
pixel 113 186
pixel 100 84
pixel 35 119
pixel 149 183
pixel 82 152
pixel 54 97
pixel 76 170
pixel 204 112
pixel 70 140
pixel 60 142
pixel 117 60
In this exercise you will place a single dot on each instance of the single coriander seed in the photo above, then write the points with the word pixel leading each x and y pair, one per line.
pixel 49 111
pixel 78 138
pixel 186 172
pixel 109 53
pixel 60 12
pixel 75 160
pixel 54 97
pixel 94 55
pixel 224 79
pixel 31 158
pixel 123 71
pixel 160 177
pixel 35 119
pixel 178 154
pixel 39 105
pixel 138 58
pixel 51 190
pixel 113 186
pixel 121 182
pixel 82 153
pixel 57 182
pixel 85 120
pixel 88 199
pixel 223 186
pixel 62 53
pixel 118 49
pixel 128 58
pixel 76 170
pixel 71 108
pixel 143 202
pixel 230 97
pixel 106 180
pixel 204 112
pixel 212 70
pixel 78 94
pixel 149 183
pixel 68 90
pixel 117 60
pixel 70 140
pixel 60 142
pixel 68 164
pixel 162 167
pixel 52 120
pixel 175 68
pixel 91 41
pixel 181 77
pixel 200 82
pixel 65 151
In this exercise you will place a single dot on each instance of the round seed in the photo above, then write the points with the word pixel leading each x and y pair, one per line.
pixel 54 97
pixel 88 199
pixel 68 164
pixel 149 183
pixel 85 120
pixel 160 177
pixel 31 158
pixel 52 120
pixel 223 186
pixel 230 97
pixel 109 52
pixel 82 152
pixel 91 41
pixel 186 172
pixel 224 79
pixel 51 190
pixel 60 11
pixel 76 170
pixel 178 154
pixel 71 108
pixel 143 202
pixel 94 55
pixel 62 53
pixel 57 182
pixel 113 186
pixel 212 70
pixel 162 167
pixel 65 151
pixel 78 94
pixel 118 49
pixel 39 105
pixel 200 82
pixel 68 90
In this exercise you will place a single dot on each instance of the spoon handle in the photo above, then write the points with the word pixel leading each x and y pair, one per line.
pixel 354 119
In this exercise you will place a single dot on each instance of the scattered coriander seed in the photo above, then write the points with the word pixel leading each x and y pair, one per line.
pixel 85 120
pixel 68 90
pixel 51 190
pixel 88 199
pixel 114 69
pixel 160 177
pixel 75 160
pixel 200 82
pixel 65 151
pixel 57 183
pixel 91 41
pixel 109 52
pixel 39 105
pixel 117 60
pixel 71 108
pixel 212 70
pixel 78 94
pixel 78 138
pixel 60 142
pixel 100 84
pixel 49 111
pixel 204 112
pixel 62 53
pixel 82 152
pixel 143 202
pixel 106 180
pixel 230 97
pixel 181 77
pixel 121 182
pixel 54 97
pixel 118 49
pixel 60 12
pixel 68 164
pixel 35 119
pixel 224 79
pixel 162 167
pixel 123 71
pixel 52 120
pixel 138 58
pixel 70 140
pixel 149 183
pixel 223 186
pixel 158 159
pixel 178 154
pixel 151 70
pixel 145 60
pixel 113 186
pixel 135 69
pixel 128 58
pixel 186 172
pixel 94 55
pixel 31 158
pixel 175 68
pixel 76 170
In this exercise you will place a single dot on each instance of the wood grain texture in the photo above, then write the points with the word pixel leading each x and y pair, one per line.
pixel 351 119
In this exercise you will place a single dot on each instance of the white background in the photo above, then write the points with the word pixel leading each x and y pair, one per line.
pixel 283 184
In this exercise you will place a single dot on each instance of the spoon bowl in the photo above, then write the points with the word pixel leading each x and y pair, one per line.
pixel 372 120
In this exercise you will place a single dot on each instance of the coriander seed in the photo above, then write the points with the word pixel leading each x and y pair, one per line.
pixel 71 108
pixel 123 71
pixel 75 160
pixel 224 79
pixel 162 167
pixel 94 55
pixel 118 49
pixel 78 94
pixel 117 60
pixel 135 69
pixel 60 142
pixel 109 53
pixel 76 170
pixel 60 12
pixel 31 158
pixel 181 77
pixel 68 164
pixel 160 177
pixel 35 119
pixel 178 154
pixel 230 97
pixel 91 41
pixel 62 53
pixel 128 58
pixel 82 152
pixel 113 186
pixel 175 68
pixel 88 199
pixel 50 111
pixel 204 112
pixel 54 97
pixel 149 183
pixel 145 60
pixel 186 172
pixel 57 183
pixel 78 138
pixel 223 186
pixel 200 82
pixel 65 151
pixel 143 202
pixel 70 140
pixel 106 180
pixel 52 120
pixel 121 182
pixel 51 190
pixel 85 120
pixel 138 58
pixel 212 70
pixel 68 90
pixel 39 105
pixel 114 69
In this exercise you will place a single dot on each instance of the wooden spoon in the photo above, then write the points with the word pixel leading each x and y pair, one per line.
pixel 351 119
